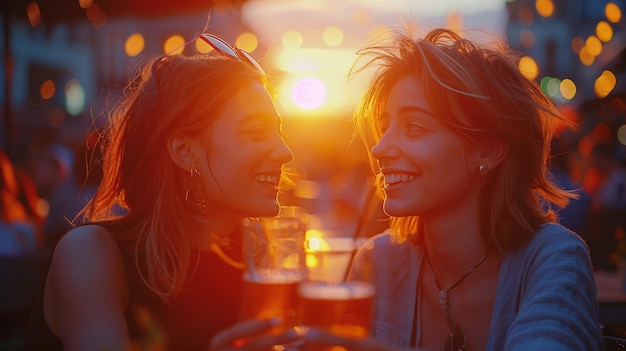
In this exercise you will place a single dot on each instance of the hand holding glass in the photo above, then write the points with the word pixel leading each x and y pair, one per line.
pixel 338 293
pixel 273 255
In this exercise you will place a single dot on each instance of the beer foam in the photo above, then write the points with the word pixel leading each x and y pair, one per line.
pixel 271 277
pixel 341 291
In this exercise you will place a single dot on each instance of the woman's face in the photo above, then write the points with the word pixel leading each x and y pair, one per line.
pixel 244 154
pixel 428 169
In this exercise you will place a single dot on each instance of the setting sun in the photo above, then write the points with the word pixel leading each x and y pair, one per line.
pixel 308 93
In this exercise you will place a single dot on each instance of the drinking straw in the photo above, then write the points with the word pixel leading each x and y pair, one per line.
pixel 368 209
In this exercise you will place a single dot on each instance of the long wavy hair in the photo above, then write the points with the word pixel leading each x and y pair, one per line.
pixel 142 192
pixel 479 93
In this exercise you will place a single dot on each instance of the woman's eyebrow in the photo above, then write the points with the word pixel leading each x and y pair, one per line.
pixel 412 108
pixel 258 116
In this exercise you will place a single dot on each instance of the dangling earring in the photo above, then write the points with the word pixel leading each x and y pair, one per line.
pixel 483 169
pixel 194 189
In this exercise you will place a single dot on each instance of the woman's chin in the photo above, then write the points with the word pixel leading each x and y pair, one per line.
pixel 268 210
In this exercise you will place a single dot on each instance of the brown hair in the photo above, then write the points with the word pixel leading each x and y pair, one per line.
pixel 479 93
pixel 142 192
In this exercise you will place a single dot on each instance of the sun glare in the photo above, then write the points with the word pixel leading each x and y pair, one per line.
pixel 316 80
pixel 308 93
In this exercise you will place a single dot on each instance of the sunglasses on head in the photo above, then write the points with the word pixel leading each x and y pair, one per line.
pixel 226 50
pixel 219 45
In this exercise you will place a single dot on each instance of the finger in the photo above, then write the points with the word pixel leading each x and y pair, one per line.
pixel 228 337
pixel 322 337
pixel 290 337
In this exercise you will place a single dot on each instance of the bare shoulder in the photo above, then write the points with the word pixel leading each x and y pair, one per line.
pixel 86 279
pixel 86 237
pixel 84 251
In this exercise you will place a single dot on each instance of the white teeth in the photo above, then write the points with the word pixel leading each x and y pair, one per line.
pixel 398 178
pixel 267 179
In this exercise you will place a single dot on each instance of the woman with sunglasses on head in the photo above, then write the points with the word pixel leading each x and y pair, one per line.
pixel 472 260
pixel 193 147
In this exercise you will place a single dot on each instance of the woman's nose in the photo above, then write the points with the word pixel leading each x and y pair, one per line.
pixel 385 148
pixel 282 152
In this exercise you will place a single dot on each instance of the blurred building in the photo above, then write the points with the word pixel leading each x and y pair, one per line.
pixel 62 61
pixel 568 38
pixel 575 49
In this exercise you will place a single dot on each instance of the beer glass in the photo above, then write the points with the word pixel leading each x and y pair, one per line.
pixel 338 293
pixel 273 256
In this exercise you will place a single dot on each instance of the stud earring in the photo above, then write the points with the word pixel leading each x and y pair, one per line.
pixel 483 169
pixel 194 190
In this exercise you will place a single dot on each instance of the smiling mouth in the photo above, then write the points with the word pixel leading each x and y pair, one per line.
pixel 268 179
pixel 397 178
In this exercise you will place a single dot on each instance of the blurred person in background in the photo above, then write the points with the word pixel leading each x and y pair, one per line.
pixel 51 165
pixel 194 147
pixel 21 223
pixel 472 259
pixel 608 207
pixel 576 215
pixel 22 252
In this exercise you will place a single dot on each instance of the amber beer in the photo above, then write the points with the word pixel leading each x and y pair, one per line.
pixel 343 308
pixel 272 295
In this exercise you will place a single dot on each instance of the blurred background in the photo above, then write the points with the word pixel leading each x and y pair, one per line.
pixel 62 59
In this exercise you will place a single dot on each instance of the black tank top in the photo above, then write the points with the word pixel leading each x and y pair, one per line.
pixel 209 304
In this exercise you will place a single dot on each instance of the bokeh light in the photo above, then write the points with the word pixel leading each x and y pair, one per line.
pixel 593 45
pixel 568 88
pixel 292 39
pixel 174 45
pixel 134 44
pixel 202 46
pixel 526 16
pixel 528 67
pixel 33 13
pixel 85 4
pixel 527 38
pixel 545 8
pixel 604 84
pixel 604 31
pixel 577 44
pixel 621 134
pixel 613 12
pixel 99 19
pixel 74 98
pixel 585 57
pixel 93 11
pixel 247 41
pixel 47 89
pixel 553 86
pixel 618 105
pixel 332 36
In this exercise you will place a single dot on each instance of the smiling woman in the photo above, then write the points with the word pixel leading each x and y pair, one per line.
pixel 192 148
pixel 474 258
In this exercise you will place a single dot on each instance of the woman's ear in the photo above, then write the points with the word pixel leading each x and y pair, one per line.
pixel 493 154
pixel 182 150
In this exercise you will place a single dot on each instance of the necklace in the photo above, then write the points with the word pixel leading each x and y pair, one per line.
pixel 456 340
